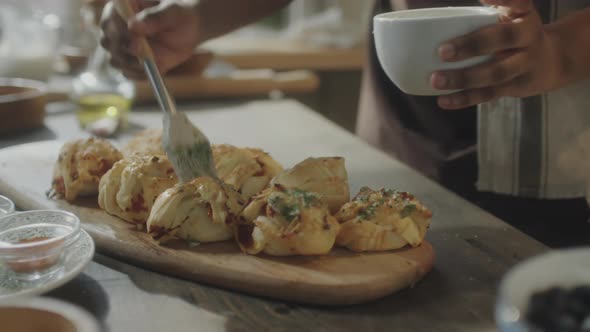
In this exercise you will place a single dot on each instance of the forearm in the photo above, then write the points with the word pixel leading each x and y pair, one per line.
pixel 571 36
pixel 218 17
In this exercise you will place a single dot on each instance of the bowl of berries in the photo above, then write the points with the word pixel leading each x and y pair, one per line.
pixel 547 293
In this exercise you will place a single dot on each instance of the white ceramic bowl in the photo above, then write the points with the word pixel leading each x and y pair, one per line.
pixel 407 43
pixel 562 268
pixel 40 314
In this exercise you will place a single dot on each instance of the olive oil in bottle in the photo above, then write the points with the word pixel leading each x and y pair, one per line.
pixel 102 94
pixel 94 107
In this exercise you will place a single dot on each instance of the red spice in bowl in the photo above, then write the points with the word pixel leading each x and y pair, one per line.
pixel 33 242
pixel 41 260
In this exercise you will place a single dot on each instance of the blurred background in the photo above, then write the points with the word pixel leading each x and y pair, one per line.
pixel 312 51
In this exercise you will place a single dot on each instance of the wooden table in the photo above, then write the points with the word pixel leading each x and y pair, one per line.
pixel 284 54
pixel 241 84
pixel 474 249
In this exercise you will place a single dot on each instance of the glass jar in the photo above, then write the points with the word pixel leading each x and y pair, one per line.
pixel 103 95
pixel 78 39
pixel 33 59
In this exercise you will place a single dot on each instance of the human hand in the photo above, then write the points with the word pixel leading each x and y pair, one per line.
pixel 171 29
pixel 525 59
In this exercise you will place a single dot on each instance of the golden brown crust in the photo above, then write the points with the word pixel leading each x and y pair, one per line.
pixel 80 166
pixel 382 220
pixel 147 142
pixel 248 170
pixel 284 222
pixel 200 210
pixel 267 209
pixel 130 188
pixel 326 177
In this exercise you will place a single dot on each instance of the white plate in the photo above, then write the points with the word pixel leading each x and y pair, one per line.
pixel 78 255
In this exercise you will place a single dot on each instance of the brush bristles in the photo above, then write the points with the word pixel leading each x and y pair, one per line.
pixel 192 162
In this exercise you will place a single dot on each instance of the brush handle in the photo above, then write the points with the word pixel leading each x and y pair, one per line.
pixel 146 57
pixel 126 9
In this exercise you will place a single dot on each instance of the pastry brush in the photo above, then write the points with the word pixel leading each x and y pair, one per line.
pixel 187 147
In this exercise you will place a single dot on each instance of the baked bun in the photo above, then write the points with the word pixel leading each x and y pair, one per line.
pixel 147 142
pixel 284 222
pixel 248 170
pixel 80 166
pixel 382 220
pixel 326 177
pixel 202 210
pixel 130 188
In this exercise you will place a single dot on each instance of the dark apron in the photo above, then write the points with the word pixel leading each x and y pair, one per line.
pixel 411 128
pixel 415 131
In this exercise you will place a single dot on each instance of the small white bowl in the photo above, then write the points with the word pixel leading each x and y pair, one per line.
pixel 37 314
pixel 559 268
pixel 6 206
pixel 407 43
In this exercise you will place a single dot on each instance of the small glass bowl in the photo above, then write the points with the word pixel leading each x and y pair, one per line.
pixel 6 206
pixel 32 243
pixel 559 268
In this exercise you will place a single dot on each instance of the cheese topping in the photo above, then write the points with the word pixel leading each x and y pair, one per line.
pixel 284 222
pixel 130 188
pixel 199 210
pixel 326 177
pixel 382 220
pixel 246 169
pixel 80 166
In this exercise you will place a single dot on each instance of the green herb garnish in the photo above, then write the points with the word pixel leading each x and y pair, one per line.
pixel 290 212
pixel 408 210
pixel 369 212
pixel 389 192
pixel 280 204
pixel 308 198
pixel 364 195
pixel 364 214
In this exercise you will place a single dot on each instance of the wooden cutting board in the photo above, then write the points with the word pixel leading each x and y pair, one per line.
pixel 341 278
